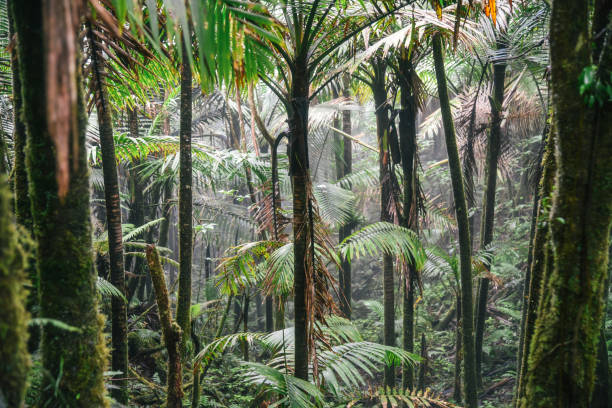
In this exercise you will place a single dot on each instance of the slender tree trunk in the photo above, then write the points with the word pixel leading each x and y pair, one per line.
pixel 602 393
pixel 14 317
pixel 408 151
pixel 269 314
pixel 137 203
pixel 571 308
pixel 344 165
pixel 113 222
pixel 465 250
pixel 279 320
pixel 539 253
pixel 298 167
pixel 528 277
pixel 382 129
pixel 185 205
pixel 458 354
pixel 59 190
pixel 488 211
pixel 170 330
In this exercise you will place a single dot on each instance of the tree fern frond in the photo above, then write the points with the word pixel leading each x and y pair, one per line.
pixel 382 237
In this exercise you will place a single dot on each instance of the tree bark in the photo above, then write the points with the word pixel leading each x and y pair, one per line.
pixel 488 210
pixel 119 354
pixel 185 205
pixel 563 351
pixel 60 206
pixel 171 331
pixel 465 250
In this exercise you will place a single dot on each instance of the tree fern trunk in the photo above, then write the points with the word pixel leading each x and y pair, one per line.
pixel 185 205
pixel 298 166
pixel 61 218
pixel 465 250
pixel 408 149
pixel 382 129
pixel 113 223
pixel 488 211
pixel 344 164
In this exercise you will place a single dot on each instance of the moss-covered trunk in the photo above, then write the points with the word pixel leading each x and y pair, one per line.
pixel 171 331
pixel 185 205
pixel 23 206
pixel 382 129
pixel 14 317
pixel 563 350
pixel 488 210
pixel 538 258
pixel 75 361
pixel 119 354
pixel 465 250
pixel 298 167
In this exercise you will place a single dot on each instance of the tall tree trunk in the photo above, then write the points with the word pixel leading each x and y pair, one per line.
pixel 382 130
pixel 59 190
pixel 488 210
pixel 14 317
pixel 465 250
pixel 408 150
pixel 539 252
pixel 344 166
pixel 137 203
pixel 571 309
pixel 119 354
pixel 185 205
pixel 532 234
pixel 298 167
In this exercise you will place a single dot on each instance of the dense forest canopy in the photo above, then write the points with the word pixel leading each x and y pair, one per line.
pixel 305 203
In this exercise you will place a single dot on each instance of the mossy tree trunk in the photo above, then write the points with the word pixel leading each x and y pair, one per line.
pixel 465 250
pixel 23 206
pixel 14 317
pixel 60 204
pixel 408 150
pixel 538 257
pixel 185 205
pixel 382 130
pixel 119 354
pixel 563 350
pixel 488 210
pixel 171 331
